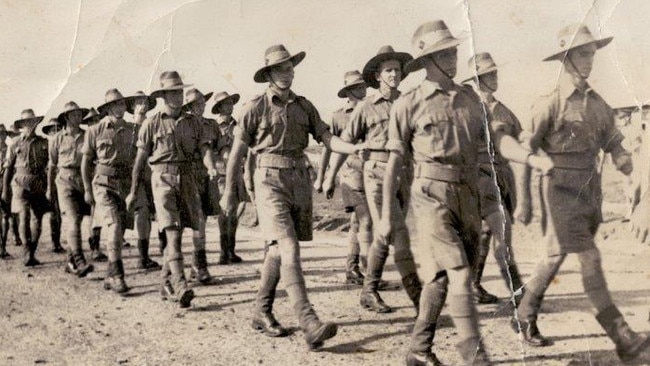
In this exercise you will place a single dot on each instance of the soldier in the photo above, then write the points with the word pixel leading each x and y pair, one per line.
pixel 354 198
pixel 65 165
pixel 223 108
pixel 25 171
pixel 5 210
pixel 497 201
pixel 440 124
pixel 369 122
pixel 276 125
pixel 48 130
pixel 94 239
pixel 110 143
pixel 138 105
pixel 572 124
pixel 171 139
pixel 632 142
pixel 208 188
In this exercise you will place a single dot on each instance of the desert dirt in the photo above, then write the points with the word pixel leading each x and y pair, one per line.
pixel 50 317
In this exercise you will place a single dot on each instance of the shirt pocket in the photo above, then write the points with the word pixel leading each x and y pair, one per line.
pixel 105 148
pixel 439 133
pixel 164 142
pixel 377 132
pixel 573 134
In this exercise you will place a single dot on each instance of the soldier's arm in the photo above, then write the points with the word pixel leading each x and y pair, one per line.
pixel 233 171
pixel 322 167
pixel 208 160
pixel 138 166
pixel 249 169
pixel 53 152
pixel 9 173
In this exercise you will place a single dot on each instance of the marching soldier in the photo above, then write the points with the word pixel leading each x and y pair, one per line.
pixel 171 139
pixel 64 181
pixel 369 122
pixel 5 210
pixel 354 198
pixel 276 126
pixel 25 170
pixel 494 198
pixel 138 105
pixel 223 108
pixel 110 144
pixel 48 130
pixel 572 125
pixel 208 188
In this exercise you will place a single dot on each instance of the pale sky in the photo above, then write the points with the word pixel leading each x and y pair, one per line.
pixel 57 51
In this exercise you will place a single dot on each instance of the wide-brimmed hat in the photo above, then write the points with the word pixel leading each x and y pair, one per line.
pixel 27 116
pixel 44 128
pixel 481 64
pixel 139 95
pixel 92 117
pixel 194 95
pixel 221 97
pixel 431 37
pixel 169 80
pixel 385 53
pixel 574 36
pixel 276 55
pixel 8 131
pixel 69 108
pixel 112 96
pixel 350 80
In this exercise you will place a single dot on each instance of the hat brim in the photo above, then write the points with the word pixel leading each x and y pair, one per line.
pixel 45 128
pixel 130 102
pixel 343 93
pixel 159 93
pixel 295 60
pixel 600 43
pixel 235 99
pixel 61 117
pixel 370 68
pixel 489 70
pixel 418 62
pixel 20 122
pixel 103 108
pixel 186 107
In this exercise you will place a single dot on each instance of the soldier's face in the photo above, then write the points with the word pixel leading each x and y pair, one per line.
pixel 581 60
pixel 282 75
pixel 117 109
pixel 226 107
pixel 140 106
pixel 198 107
pixel 447 61
pixel 389 73
pixel 489 82
pixel 74 118
pixel 173 98
pixel 358 92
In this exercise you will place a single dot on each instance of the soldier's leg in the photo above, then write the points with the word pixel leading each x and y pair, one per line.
pixel 432 300
pixel 232 235
pixel 174 257
pixel 55 229
pixel 405 264
pixel 199 258
pixel 115 274
pixel 481 295
pixel 143 228
pixel 263 318
pixel 71 220
pixel 224 257
pixel 352 273
pixel 4 232
pixel 501 227
pixel 364 236
pixel 628 343
pixel 94 240
pixel 24 218
pixel 15 228
pixel 527 311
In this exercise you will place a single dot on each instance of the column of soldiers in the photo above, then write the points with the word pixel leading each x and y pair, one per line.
pixel 442 149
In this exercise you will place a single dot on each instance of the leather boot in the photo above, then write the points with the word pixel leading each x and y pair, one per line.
pixel 223 256
pixel 70 265
pixel 473 352
pixel 370 298
pixel 82 267
pixel 29 253
pixel 115 278
pixel 199 271
pixel 234 258
pixel 413 288
pixel 480 294
pixel 629 344
pixel 145 262
pixel 432 300
pixel 263 319
pixel 184 294
pixel 3 248
pixel 352 274
pixel 57 248
pixel 96 253
pixel 530 332
pixel 266 324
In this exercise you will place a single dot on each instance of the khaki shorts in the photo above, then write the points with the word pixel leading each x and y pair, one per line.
pixel 495 193
pixel 110 206
pixel 176 197
pixel 24 200
pixel 70 194
pixel 284 203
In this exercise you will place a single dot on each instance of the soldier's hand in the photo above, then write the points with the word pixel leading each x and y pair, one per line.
pixel 384 229
pixel 329 188
pixel 227 203
pixel 48 195
pixel 524 212
pixel 212 173
pixel 130 202
pixel 543 163
pixel 640 219
pixel 318 185
pixel 88 197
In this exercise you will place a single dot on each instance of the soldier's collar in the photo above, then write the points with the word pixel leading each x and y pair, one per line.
pixel 221 119
pixel 430 88
pixel 271 95
pixel 566 88
pixel 349 106
pixel 378 96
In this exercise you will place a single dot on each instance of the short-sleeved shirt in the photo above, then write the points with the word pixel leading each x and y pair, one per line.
pixel 227 132
pixel 270 125
pixel 28 156
pixel 3 154
pixel 212 134
pixel 111 144
pixel 437 125
pixel 169 140
pixel 502 121
pixel 353 174
pixel 369 122
pixel 65 149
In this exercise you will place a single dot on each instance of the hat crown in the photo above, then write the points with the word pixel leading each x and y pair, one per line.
pixel 113 95
pixel 170 79
pixel 574 34
pixel 430 34
pixel 193 95
pixel 275 53
pixel 140 93
pixel 221 96
pixel 352 77
pixel 27 113
pixel 385 49
pixel 70 106
pixel 92 113
pixel 481 61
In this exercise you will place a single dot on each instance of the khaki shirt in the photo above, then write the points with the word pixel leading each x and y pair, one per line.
pixel 353 174
pixel 501 121
pixel 111 144
pixel 270 125
pixel 65 150
pixel 168 140
pixel 29 157
pixel 437 125
pixel 369 122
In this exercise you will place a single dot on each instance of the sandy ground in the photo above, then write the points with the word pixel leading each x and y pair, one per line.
pixel 49 317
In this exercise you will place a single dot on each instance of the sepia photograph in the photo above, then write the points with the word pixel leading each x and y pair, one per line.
pixel 343 182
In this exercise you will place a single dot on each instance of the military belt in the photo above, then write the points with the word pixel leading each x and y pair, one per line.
pixel 281 162
pixel 445 173
pixel 175 168
pixel 113 171
pixel 574 161
pixel 381 156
